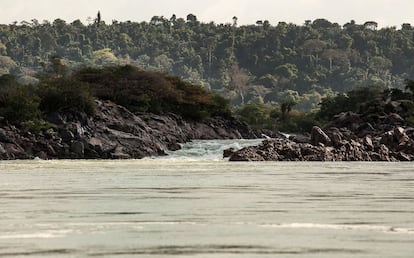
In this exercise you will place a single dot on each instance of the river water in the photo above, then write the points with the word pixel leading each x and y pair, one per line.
pixel 193 206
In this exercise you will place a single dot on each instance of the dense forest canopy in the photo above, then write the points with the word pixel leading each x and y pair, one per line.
pixel 250 63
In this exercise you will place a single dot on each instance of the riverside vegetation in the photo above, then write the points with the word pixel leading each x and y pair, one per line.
pixel 112 112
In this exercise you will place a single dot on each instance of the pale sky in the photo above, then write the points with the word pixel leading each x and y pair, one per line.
pixel 385 12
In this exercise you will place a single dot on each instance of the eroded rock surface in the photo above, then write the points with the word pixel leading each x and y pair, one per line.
pixel 349 137
pixel 113 133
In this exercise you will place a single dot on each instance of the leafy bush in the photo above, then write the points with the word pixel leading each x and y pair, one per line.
pixel 65 95
pixel 351 101
pixel 257 116
pixel 36 125
pixel 265 116
pixel 18 103
pixel 298 122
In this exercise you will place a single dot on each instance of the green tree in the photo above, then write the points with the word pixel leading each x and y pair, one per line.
pixel 18 103
pixel 256 115
pixel 312 48
pixel 287 100
pixel 104 57
pixel 6 65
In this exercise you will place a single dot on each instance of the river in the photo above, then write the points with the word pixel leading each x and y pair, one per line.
pixel 199 205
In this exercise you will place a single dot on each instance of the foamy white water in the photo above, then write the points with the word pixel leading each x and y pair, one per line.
pixel 208 149
pixel 205 208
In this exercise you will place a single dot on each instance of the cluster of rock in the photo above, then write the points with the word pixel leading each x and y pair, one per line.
pixel 113 132
pixel 349 137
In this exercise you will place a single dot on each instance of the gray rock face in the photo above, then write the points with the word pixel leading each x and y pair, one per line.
pixel 114 133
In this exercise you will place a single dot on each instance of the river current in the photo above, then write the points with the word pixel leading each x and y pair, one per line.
pixel 195 204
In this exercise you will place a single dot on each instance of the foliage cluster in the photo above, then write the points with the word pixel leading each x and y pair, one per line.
pixel 372 102
pixel 156 92
pixel 18 103
pixel 128 86
pixel 267 116
pixel 65 95
pixel 249 62
pixel 353 101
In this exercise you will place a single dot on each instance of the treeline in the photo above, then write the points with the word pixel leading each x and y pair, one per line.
pixel 250 63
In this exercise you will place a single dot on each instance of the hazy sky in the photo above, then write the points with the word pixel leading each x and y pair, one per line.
pixel 385 12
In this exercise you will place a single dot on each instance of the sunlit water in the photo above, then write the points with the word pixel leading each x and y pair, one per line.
pixel 205 208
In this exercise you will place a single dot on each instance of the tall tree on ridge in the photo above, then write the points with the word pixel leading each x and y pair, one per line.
pixel 98 18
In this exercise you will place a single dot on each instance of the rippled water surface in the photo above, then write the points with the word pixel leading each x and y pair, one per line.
pixel 213 208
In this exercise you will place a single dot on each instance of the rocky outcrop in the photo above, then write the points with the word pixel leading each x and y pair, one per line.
pixel 361 149
pixel 319 137
pixel 113 133
pixel 347 138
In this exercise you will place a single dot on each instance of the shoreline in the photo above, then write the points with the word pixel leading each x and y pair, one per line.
pixel 114 132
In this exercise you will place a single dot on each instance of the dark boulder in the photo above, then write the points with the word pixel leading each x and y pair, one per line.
pixel 3 136
pixel 228 152
pixel 300 138
pixel 318 136
pixel 3 153
pixel 400 135
pixel 55 118
pixel 335 136
pixel 66 135
pixel 348 119
pixel 393 119
pixel 78 148
pixel 365 129
pixel 246 154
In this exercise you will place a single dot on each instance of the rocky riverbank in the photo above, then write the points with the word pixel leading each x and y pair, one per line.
pixel 349 137
pixel 113 132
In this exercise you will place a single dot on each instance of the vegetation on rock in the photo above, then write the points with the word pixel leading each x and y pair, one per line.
pixel 137 90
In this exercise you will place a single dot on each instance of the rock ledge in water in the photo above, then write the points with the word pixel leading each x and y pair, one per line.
pixel 335 145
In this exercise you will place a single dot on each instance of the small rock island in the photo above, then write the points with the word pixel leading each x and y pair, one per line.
pixel 109 113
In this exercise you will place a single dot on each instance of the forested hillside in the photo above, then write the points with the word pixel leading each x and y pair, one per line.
pixel 257 63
